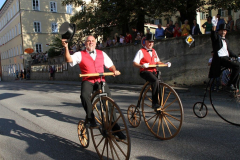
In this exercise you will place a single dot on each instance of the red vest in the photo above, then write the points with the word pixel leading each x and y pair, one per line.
pixel 148 59
pixel 88 65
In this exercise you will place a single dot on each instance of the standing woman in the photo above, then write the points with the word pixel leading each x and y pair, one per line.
pixel 195 29
pixel 177 30
pixel 230 23
pixel 185 28
pixel 208 25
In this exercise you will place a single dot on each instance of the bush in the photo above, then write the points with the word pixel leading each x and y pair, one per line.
pixel 52 52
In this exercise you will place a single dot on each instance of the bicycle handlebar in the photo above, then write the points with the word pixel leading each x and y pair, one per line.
pixel 97 74
pixel 158 65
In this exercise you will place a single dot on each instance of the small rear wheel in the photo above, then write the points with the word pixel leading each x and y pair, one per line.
pixel 200 109
pixel 134 116
pixel 83 134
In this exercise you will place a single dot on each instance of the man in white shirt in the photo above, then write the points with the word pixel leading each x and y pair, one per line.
pixel 91 61
pixel 148 56
pixel 222 55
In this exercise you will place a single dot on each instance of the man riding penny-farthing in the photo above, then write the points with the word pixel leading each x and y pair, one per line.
pixel 161 106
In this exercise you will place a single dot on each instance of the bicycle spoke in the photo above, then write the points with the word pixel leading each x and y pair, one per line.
pixel 159 121
pixel 100 141
pixel 106 143
pixel 155 121
pixel 170 122
pixel 151 118
pixel 166 98
pixel 115 142
pixel 162 127
pixel 167 126
pixel 148 105
pixel 169 104
pixel 172 116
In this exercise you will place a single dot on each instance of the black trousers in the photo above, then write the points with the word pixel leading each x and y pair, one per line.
pixel 152 78
pixel 235 69
pixel 87 88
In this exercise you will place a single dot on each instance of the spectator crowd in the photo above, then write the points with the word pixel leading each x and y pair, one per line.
pixel 171 30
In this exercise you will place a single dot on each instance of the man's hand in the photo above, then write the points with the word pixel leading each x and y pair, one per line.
pixel 168 64
pixel 64 43
pixel 145 65
pixel 214 21
pixel 116 73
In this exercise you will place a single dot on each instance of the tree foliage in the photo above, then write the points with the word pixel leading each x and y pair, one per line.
pixel 100 15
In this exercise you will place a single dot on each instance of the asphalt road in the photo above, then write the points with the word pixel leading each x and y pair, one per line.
pixel 39 121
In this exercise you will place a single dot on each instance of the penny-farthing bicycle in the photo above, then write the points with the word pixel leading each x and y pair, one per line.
pixel 107 145
pixel 225 103
pixel 164 122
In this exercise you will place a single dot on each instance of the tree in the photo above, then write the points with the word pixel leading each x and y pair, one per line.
pixel 100 15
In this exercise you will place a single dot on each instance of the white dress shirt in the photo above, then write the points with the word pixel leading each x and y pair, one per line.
pixel 77 58
pixel 139 56
pixel 223 52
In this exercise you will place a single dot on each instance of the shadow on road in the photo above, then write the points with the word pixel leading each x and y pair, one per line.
pixel 50 145
pixel 52 114
pixel 8 95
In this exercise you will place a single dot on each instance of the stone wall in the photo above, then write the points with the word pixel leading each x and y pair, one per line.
pixel 189 64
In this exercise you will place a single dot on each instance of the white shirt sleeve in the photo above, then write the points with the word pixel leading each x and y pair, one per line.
pixel 76 58
pixel 138 57
pixel 107 61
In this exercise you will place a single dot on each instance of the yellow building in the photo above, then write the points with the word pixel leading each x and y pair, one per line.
pixel 28 24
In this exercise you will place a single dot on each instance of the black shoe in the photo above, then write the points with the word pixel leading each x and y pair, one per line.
pixel 120 135
pixel 155 106
pixel 92 122
pixel 231 88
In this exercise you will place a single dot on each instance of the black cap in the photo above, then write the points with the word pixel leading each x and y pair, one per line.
pixel 223 27
pixel 67 31
pixel 149 37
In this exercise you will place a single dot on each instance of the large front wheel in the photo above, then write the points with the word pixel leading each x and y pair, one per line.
pixel 226 104
pixel 106 142
pixel 166 121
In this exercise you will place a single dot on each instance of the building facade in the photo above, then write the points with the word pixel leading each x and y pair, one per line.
pixel 28 24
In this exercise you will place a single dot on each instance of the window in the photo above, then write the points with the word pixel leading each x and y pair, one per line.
pixel 17 50
pixel 203 15
pixel 157 21
pixel 35 4
pixel 53 6
pixel 37 27
pixel 8 16
pixel 54 28
pixel 38 48
pixel 10 33
pixel 20 47
pixel 14 10
pixel 13 33
pixel 14 51
pixel 16 30
pixel 17 5
pixel 222 12
pixel 19 28
pixel 11 15
pixel 69 9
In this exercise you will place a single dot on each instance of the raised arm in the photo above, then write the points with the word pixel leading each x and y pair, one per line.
pixel 67 54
